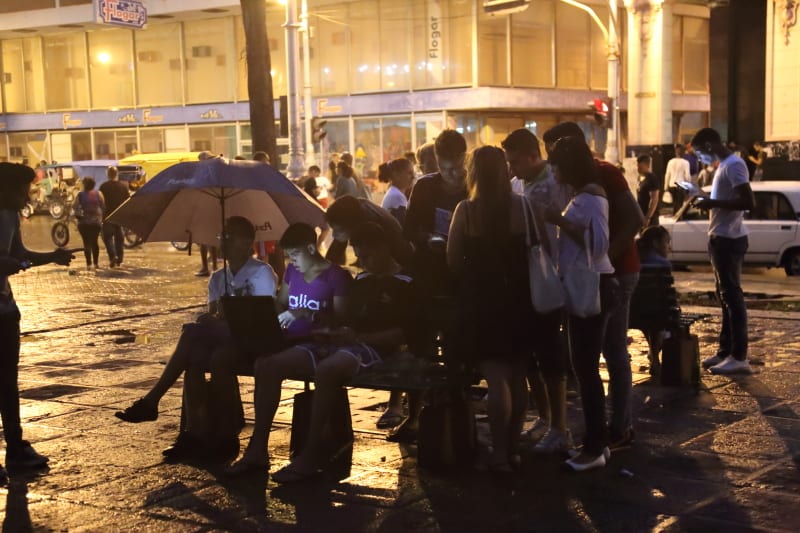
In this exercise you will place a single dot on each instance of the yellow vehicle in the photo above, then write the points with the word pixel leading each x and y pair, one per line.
pixel 154 163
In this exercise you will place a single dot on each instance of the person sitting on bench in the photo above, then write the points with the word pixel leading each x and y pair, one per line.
pixel 654 246
pixel 246 276
pixel 380 314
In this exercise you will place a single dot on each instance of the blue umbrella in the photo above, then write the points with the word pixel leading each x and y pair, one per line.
pixel 189 202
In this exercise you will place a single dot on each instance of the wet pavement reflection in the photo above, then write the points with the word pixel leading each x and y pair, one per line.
pixel 719 457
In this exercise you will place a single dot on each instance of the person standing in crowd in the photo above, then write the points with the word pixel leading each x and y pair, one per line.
pixel 89 207
pixel 345 184
pixel 731 196
pixel 115 193
pixel 15 181
pixel 362 190
pixel 678 171
pixel 426 159
pixel 648 190
pixel 486 252
pixel 427 224
pixel 625 222
pixel 758 160
pixel 585 219
pixel 654 247
pixel 547 369
pixel 400 173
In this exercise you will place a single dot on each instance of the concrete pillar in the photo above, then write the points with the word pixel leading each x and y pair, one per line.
pixel 649 74
pixel 782 99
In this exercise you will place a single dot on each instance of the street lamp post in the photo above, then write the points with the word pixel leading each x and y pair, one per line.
pixel 307 111
pixel 296 163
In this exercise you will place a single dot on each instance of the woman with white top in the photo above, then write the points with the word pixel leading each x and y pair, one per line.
pixel 400 173
pixel 584 221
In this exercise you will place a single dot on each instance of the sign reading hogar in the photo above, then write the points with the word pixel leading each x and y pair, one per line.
pixel 128 13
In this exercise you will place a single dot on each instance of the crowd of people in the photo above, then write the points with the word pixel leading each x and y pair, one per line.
pixel 442 272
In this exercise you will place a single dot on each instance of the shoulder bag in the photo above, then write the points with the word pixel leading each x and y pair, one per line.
pixel 547 293
pixel 582 284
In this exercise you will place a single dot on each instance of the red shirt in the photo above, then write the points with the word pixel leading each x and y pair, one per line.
pixel 614 182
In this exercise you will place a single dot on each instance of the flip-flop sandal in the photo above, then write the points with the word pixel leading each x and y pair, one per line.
pixel 292 474
pixel 244 468
pixel 389 420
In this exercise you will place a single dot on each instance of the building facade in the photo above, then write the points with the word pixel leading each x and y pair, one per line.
pixel 387 75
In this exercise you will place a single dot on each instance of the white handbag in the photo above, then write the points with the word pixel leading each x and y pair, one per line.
pixel 582 285
pixel 547 293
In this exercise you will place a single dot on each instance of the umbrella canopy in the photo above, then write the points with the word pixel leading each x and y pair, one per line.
pixel 190 200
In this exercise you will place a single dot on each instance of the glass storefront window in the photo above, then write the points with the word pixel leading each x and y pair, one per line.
pixel 395 138
pixel 495 129
pixel 210 52
pixel 111 68
pixel 442 49
pixel 532 46
pixel 428 128
pixel 367 141
pixel 30 147
pixel 695 54
pixel 152 140
pixel 467 125
pixel 572 47
pixel 115 144
pixel 158 57
pixel 395 31
pixel 492 50
pixel 677 54
pixel 328 45
pixel 23 75
pixel 219 139
pixel 65 71
pixel 81 146
pixel 365 43
pixel 598 51
pixel 335 142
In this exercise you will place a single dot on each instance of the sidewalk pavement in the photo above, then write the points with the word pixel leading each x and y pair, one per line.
pixel 720 458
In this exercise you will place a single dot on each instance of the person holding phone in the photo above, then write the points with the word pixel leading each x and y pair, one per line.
pixel 15 181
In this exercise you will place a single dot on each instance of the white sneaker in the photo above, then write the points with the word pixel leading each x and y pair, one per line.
pixel 536 431
pixel 554 441
pixel 575 452
pixel 712 361
pixel 732 365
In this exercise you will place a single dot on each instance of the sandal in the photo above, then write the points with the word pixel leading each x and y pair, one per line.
pixel 292 473
pixel 389 420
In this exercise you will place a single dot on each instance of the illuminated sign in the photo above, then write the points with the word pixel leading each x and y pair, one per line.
pixel 68 122
pixel 129 13
pixel 149 118
pixel 211 114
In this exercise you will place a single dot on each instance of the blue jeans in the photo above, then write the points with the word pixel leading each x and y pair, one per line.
pixel 616 309
pixel 727 256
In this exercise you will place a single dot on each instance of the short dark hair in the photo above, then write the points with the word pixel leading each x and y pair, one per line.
pixel 369 234
pixel 644 158
pixel 13 176
pixel 312 168
pixel 88 183
pixel 574 160
pixel 345 211
pixel 706 135
pixel 241 227
pixel 112 173
pixel 388 170
pixel 347 157
pixel 564 129
pixel 261 156
pixel 522 141
pixel 450 145
pixel 650 236
pixel 298 235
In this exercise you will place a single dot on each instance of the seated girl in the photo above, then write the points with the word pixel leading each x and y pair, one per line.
pixel 380 310
pixel 654 246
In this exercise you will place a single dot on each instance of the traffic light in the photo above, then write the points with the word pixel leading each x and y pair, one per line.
pixel 317 129
pixel 600 112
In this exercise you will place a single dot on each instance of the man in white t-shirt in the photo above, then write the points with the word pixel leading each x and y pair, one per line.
pixel 678 170
pixel 200 340
pixel 731 196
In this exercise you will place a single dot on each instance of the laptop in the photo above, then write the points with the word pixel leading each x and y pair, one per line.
pixel 253 322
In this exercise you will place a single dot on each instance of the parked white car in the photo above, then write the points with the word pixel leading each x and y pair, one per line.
pixel 774 239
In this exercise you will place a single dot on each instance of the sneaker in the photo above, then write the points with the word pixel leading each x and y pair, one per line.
pixel 554 441
pixel 622 441
pixel 712 361
pixel 731 365
pixel 536 431
pixel 25 458
pixel 140 411
pixel 582 463
pixel 575 452
pixel 202 273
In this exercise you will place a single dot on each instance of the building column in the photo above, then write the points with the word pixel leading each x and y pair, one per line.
pixel 649 80
pixel 782 98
